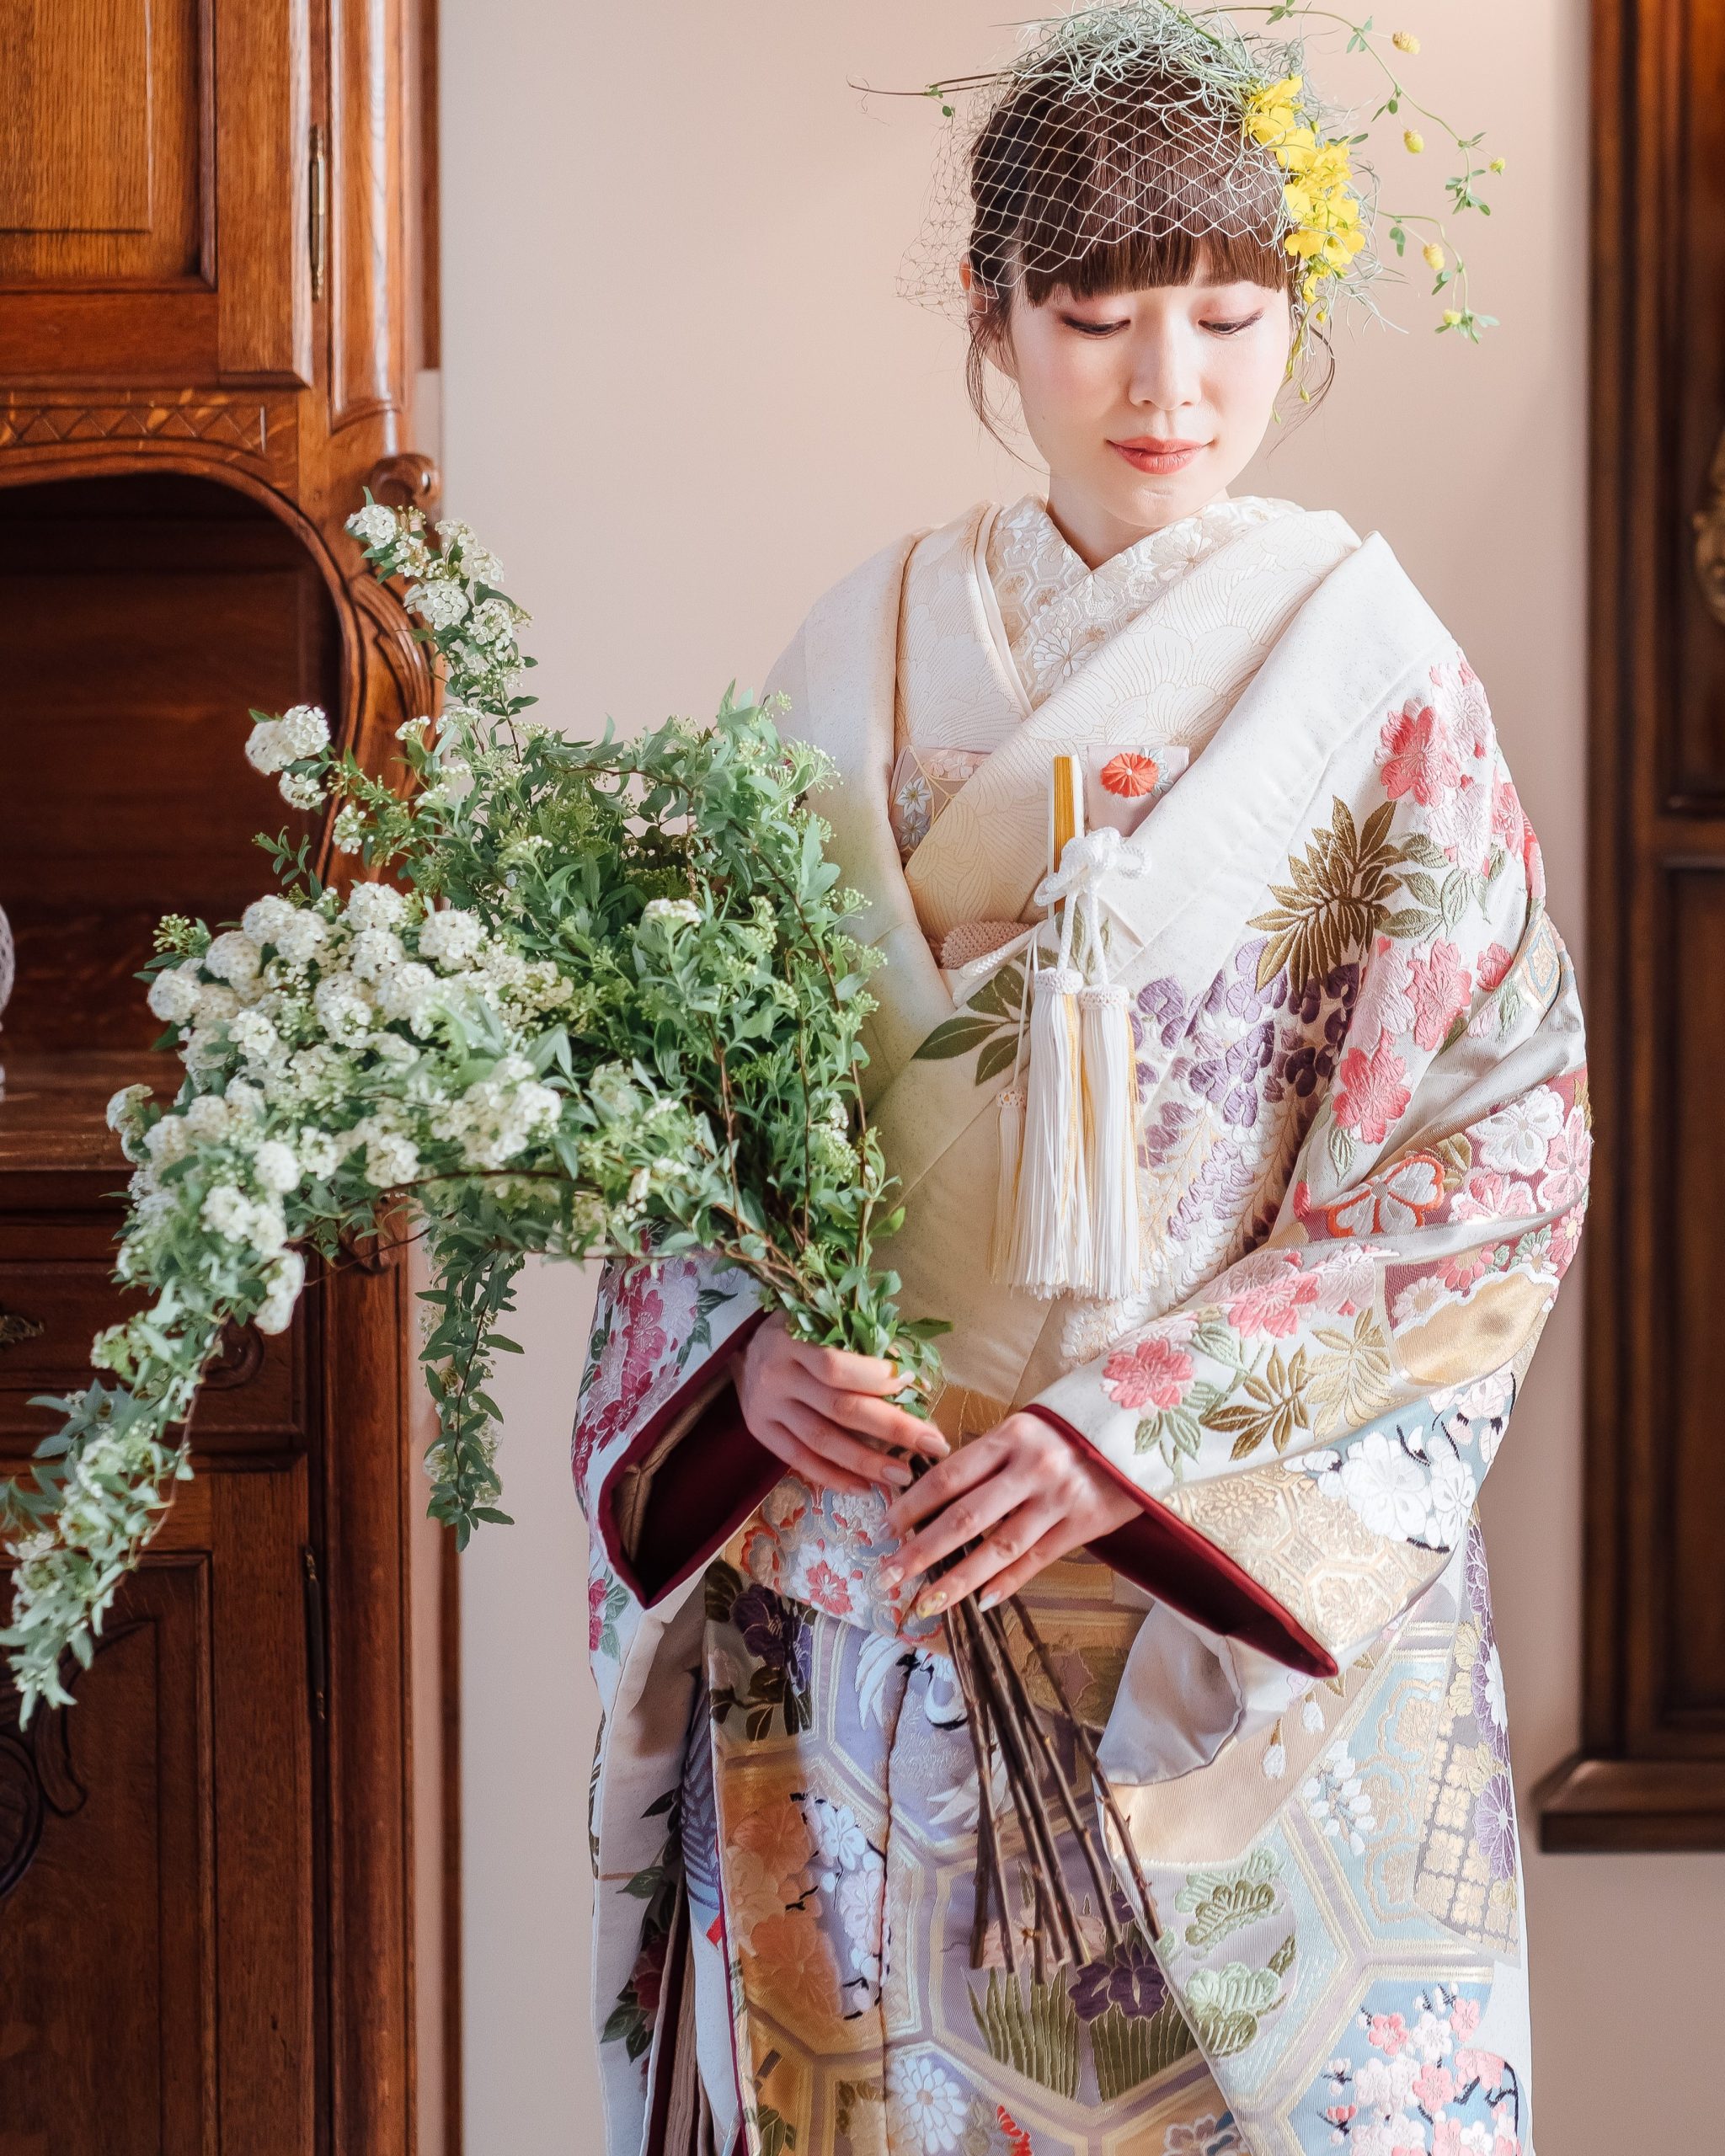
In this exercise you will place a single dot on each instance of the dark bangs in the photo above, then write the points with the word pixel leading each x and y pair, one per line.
pixel 1113 189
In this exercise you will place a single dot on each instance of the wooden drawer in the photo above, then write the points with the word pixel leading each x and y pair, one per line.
pixel 56 1293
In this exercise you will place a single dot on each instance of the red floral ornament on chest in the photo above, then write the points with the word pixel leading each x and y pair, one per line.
pixel 1131 775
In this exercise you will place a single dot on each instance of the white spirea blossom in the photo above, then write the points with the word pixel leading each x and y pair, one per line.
pixel 684 910
pixel 256 1038
pixel 298 940
pixel 214 1001
pixel 439 604
pixel 276 1167
pixel 264 919
pixel 233 956
pixel 450 936
pixel 390 1159
pixel 376 952
pixel 373 526
pixel 376 905
pixel 228 1211
pixel 123 1109
pixel 342 1007
pixel 319 1153
pixel 412 993
pixel 245 1102
pixel 266 750
pixel 282 1281
pixel 491 620
pixel 347 832
pixel 304 731
pixel 174 994
pixel 168 1141
pixel 206 1118
pixel 301 790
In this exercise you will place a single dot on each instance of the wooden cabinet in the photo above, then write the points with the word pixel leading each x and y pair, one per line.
pixel 1651 1771
pixel 212 311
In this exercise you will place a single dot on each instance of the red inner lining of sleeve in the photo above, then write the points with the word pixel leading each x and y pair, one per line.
pixel 1172 1560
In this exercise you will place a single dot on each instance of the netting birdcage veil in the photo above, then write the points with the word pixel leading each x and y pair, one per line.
pixel 1135 145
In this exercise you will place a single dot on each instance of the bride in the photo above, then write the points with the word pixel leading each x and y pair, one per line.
pixel 1221 1410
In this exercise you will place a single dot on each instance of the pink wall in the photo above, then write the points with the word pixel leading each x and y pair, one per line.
pixel 680 397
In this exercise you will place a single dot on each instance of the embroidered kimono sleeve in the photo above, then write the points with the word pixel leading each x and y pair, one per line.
pixel 1319 1416
pixel 665 1469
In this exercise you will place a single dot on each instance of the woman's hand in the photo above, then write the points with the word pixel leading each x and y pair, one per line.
pixel 1029 1492
pixel 825 1413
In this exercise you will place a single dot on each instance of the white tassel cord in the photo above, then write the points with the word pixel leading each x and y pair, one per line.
pixel 1050 1211
pixel 1109 1067
pixel 1011 1107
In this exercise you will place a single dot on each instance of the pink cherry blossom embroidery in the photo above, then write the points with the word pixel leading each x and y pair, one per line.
pixel 1568 1159
pixel 1464 2017
pixel 1434 2086
pixel 596 1612
pixel 1272 1305
pixel 1387 2033
pixel 1416 754
pixel 1151 1373
pixel 633 1349
pixel 1385 1005
pixel 1441 987
pixel 1370 1093
pixel 1494 963
pixel 1485 2068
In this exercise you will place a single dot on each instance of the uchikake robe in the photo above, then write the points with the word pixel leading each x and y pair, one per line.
pixel 1363 1147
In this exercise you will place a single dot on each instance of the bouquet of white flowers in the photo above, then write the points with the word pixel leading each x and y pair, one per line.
pixel 605 1005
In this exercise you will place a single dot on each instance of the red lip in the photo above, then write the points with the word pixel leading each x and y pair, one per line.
pixel 1155 445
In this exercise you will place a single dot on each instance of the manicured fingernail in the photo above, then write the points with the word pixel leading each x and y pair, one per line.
pixel 931 1604
pixel 899 1477
pixel 988 1597
pixel 889 1578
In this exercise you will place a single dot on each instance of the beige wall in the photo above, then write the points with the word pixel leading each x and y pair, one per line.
pixel 680 398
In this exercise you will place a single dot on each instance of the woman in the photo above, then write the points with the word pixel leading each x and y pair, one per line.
pixel 1239 1498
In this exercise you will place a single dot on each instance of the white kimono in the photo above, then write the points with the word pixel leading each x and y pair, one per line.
pixel 1362 1161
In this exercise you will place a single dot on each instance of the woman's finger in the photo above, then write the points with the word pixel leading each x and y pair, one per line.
pixel 1059 1541
pixel 833 1445
pixel 786 1445
pixel 1009 1540
pixel 968 1516
pixel 848 1372
pixel 874 1417
pixel 959 1472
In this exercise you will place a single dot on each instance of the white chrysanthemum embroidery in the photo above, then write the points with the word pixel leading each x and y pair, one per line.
pixel 1517 1136
pixel 1497 1704
pixel 1452 1491
pixel 925 2105
pixel 1386 1488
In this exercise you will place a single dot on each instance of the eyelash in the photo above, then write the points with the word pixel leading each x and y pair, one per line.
pixel 1109 329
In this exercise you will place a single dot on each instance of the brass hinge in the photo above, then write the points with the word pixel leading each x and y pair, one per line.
pixel 317 1655
pixel 319 222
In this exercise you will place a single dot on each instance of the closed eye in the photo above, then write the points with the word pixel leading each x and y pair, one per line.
pixel 1092 329
pixel 1232 329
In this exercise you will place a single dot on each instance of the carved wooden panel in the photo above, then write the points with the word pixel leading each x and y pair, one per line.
pixel 1651 1772
pixel 102 163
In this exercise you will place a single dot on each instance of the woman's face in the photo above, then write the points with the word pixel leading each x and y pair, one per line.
pixel 1146 405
